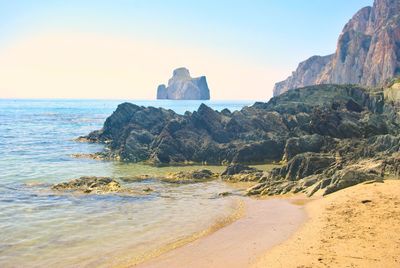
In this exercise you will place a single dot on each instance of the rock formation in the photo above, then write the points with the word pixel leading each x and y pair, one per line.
pixel 97 185
pixel 368 52
pixel 183 87
pixel 327 136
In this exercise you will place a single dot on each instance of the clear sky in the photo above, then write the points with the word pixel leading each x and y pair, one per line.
pixel 123 49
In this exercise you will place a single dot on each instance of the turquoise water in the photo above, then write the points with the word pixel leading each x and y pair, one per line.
pixel 41 228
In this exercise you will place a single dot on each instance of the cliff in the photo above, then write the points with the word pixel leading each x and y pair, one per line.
pixel 183 87
pixel 368 52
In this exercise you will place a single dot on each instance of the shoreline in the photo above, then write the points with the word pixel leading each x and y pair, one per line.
pixel 235 244
pixel 355 227
pixel 154 254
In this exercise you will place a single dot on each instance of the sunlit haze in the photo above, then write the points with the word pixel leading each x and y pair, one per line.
pixel 124 49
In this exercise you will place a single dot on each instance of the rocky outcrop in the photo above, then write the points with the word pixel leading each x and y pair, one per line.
pixel 313 119
pixel 368 52
pixel 179 177
pixel 195 176
pixel 183 87
pixel 238 169
pixel 160 136
pixel 327 137
pixel 91 185
pixel 330 180
pixel 241 173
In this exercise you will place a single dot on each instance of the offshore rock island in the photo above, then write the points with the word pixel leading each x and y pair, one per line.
pixel 183 87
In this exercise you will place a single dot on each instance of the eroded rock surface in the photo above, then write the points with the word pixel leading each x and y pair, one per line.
pixel 97 185
pixel 368 52
pixel 322 134
pixel 241 173
pixel 182 177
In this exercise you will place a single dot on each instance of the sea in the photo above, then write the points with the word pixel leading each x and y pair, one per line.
pixel 43 228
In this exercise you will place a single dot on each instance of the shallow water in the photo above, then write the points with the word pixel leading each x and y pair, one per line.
pixel 40 228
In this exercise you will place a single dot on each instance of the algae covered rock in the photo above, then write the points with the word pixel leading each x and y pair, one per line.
pixel 96 185
pixel 241 173
pixel 234 169
pixel 196 176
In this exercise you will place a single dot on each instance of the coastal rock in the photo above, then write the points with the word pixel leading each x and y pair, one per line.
pixel 333 176
pixel 312 119
pixel 346 178
pixel 182 177
pixel 306 164
pixel 234 169
pixel 161 136
pixel 320 132
pixel 307 143
pixel 241 173
pixel 183 87
pixel 367 52
pixel 97 185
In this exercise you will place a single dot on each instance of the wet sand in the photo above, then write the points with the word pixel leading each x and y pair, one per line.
pixel 356 227
pixel 266 223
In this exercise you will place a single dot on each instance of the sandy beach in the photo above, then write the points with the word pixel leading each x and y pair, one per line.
pixel 266 223
pixel 356 227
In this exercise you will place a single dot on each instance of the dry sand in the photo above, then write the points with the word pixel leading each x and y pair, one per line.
pixel 355 227
pixel 265 224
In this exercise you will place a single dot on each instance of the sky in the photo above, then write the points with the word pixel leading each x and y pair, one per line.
pixel 120 49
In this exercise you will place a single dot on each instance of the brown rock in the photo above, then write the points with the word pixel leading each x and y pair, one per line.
pixel 368 52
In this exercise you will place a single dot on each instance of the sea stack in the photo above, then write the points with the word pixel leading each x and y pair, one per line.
pixel 183 87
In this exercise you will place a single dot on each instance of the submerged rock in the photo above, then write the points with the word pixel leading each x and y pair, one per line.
pixel 91 185
pixel 196 176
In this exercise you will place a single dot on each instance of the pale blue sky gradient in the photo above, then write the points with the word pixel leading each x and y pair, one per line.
pixel 274 34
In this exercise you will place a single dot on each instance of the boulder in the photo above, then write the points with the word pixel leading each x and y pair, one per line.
pixel 306 164
pixel 348 177
pixel 234 169
pixel 308 143
pixel 92 185
pixel 195 176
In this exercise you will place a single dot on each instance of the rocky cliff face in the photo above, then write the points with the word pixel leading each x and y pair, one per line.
pixel 368 52
pixel 183 87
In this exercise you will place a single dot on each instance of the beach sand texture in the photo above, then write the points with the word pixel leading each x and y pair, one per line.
pixel 265 224
pixel 355 227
